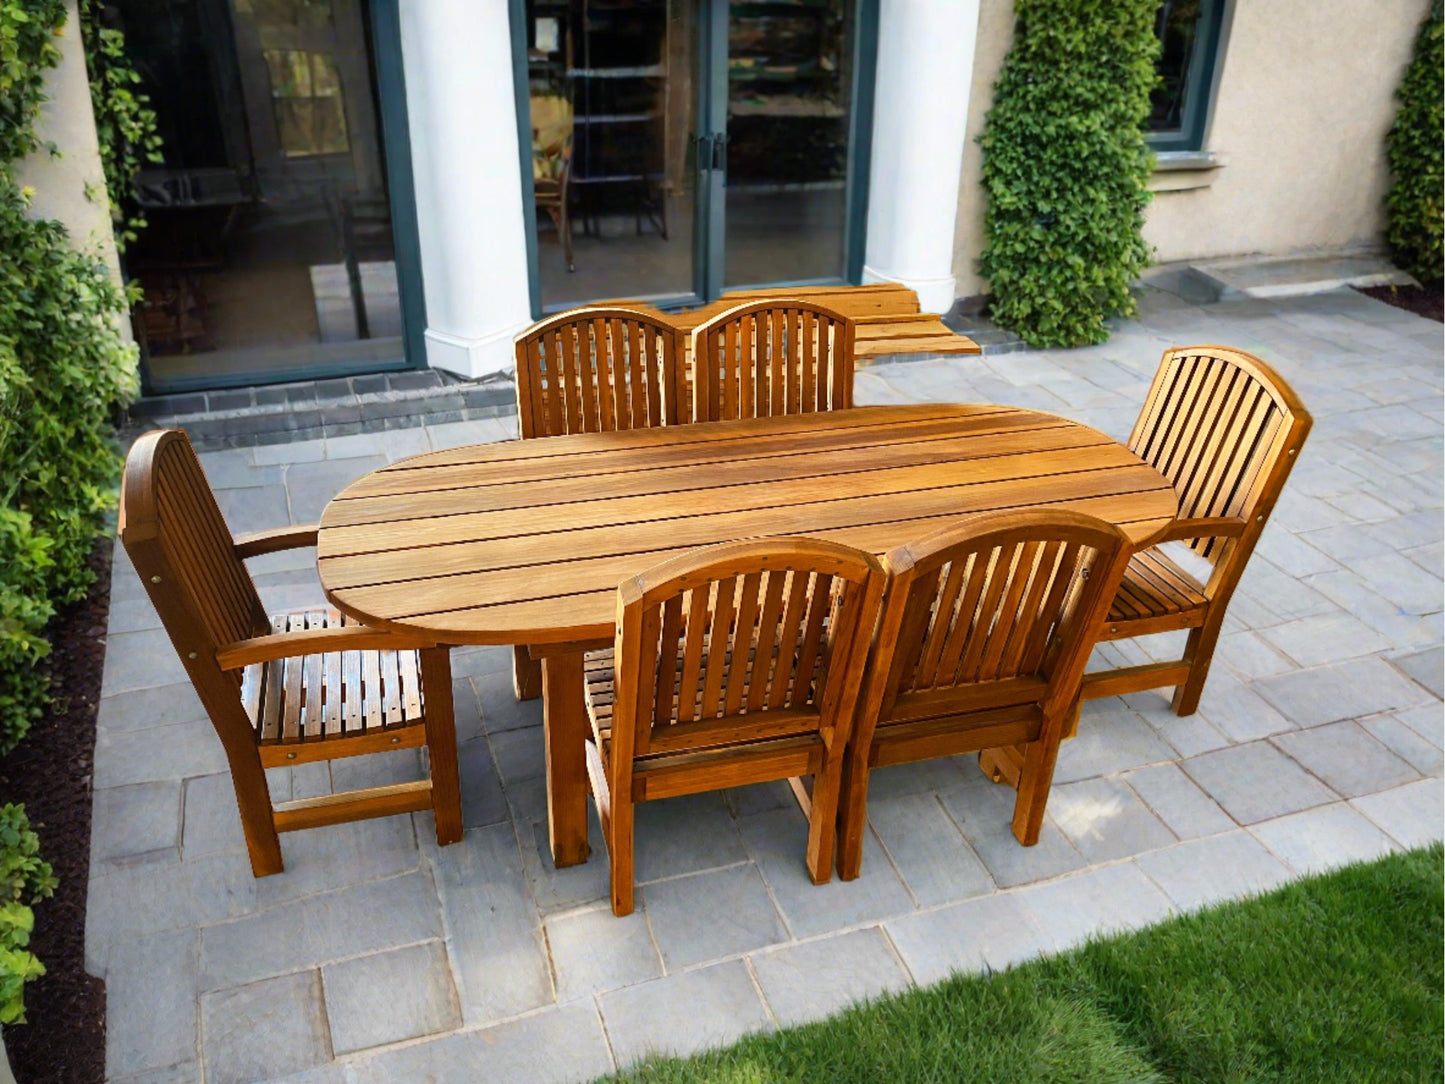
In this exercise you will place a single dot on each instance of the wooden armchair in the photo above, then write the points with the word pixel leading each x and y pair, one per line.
pixel 588 371
pixel 735 664
pixel 985 633
pixel 1226 430
pixel 288 689
pixel 552 127
pixel 771 357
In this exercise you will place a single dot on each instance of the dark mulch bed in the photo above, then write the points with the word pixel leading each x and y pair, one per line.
pixel 64 1039
pixel 1426 301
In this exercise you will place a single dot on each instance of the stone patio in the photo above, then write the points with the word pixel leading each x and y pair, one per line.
pixel 378 957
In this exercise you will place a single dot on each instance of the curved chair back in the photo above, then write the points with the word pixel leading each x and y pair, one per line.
pixel 176 536
pixel 1225 429
pixel 742 641
pixel 597 370
pixel 996 610
pixel 767 358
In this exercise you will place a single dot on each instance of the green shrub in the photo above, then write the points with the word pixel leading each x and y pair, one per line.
pixel 25 878
pixel 1417 157
pixel 1065 168
pixel 64 368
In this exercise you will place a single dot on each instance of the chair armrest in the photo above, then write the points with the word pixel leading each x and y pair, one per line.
pixel 1204 527
pixel 285 645
pixel 277 538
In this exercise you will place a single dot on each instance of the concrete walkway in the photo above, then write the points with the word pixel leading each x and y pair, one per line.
pixel 378 957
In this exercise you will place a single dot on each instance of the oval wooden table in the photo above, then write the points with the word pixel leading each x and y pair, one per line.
pixel 525 542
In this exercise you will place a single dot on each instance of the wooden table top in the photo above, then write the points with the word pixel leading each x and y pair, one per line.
pixel 525 542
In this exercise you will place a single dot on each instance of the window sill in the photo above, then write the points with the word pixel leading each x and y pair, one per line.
pixel 1183 171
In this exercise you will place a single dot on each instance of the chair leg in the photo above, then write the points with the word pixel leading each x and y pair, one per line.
pixel 823 820
pixel 526 674
pixel 1198 653
pixel 258 823
pixel 441 742
pixel 565 228
pixel 852 812
pixel 619 853
pixel 1035 779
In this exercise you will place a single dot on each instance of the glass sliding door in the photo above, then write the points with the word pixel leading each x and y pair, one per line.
pixel 611 99
pixel 679 148
pixel 269 251
pixel 789 89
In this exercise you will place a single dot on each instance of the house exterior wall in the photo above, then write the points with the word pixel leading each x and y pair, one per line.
pixel 1305 95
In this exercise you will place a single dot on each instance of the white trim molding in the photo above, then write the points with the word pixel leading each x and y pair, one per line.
pixel 457 55
pixel 920 121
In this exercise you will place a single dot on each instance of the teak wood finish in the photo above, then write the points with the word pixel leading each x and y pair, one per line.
pixel 595 370
pixel 525 542
pixel 733 664
pixel 986 631
pixel 1226 430
pixel 764 358
pixel 287 689
pixel 887 317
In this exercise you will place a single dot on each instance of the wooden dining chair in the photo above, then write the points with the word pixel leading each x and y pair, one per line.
pixel 986 629
pixel 772 357
pixel 1226 430
pixel 595 370
pixel 286 689
pixel 738 663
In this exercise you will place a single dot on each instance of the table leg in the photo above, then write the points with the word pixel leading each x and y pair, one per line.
pixel 564 720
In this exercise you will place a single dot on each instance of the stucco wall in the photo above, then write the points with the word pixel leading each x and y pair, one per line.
pixel 1305 96
pixel 61 184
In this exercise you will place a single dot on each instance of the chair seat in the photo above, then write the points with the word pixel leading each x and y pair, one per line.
pixel 310 698
pixel 1155 587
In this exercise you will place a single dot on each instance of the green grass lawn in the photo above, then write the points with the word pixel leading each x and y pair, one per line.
pixel 1337 978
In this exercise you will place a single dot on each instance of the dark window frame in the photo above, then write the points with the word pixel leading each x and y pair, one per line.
pixel 1199 87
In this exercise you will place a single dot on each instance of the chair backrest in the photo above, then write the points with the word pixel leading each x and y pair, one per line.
pixel 772 357
pixel 1226 430
pixel 996 610
pixel 551 135
pixel 176 537
pixel 742 640
pixel 598 369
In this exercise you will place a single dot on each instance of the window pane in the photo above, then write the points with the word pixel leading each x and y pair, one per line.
pixel 1178 28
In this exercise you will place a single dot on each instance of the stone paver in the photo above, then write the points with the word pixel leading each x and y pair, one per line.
pixel 389 996
pixel 265 1030
pixel 1321 839
pixel 1203 871
pixel 377 956
pixel 711 915
pixel 683 1013
pixel 1255 782
pixel 823 976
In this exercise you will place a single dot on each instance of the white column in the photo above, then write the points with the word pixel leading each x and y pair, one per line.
pixel 457 56
pixel 925 66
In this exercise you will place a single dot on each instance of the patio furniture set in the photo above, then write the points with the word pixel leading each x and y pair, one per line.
pixel 717 570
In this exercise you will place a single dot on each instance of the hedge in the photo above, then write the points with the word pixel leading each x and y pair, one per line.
pixel 1417 157
pixel 64 371
pixel 1065 168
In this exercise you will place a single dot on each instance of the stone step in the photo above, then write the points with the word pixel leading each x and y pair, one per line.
pixel 1231 280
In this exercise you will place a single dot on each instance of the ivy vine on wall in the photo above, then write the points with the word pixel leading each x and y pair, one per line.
pixel 1065 168
pixel 125 124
